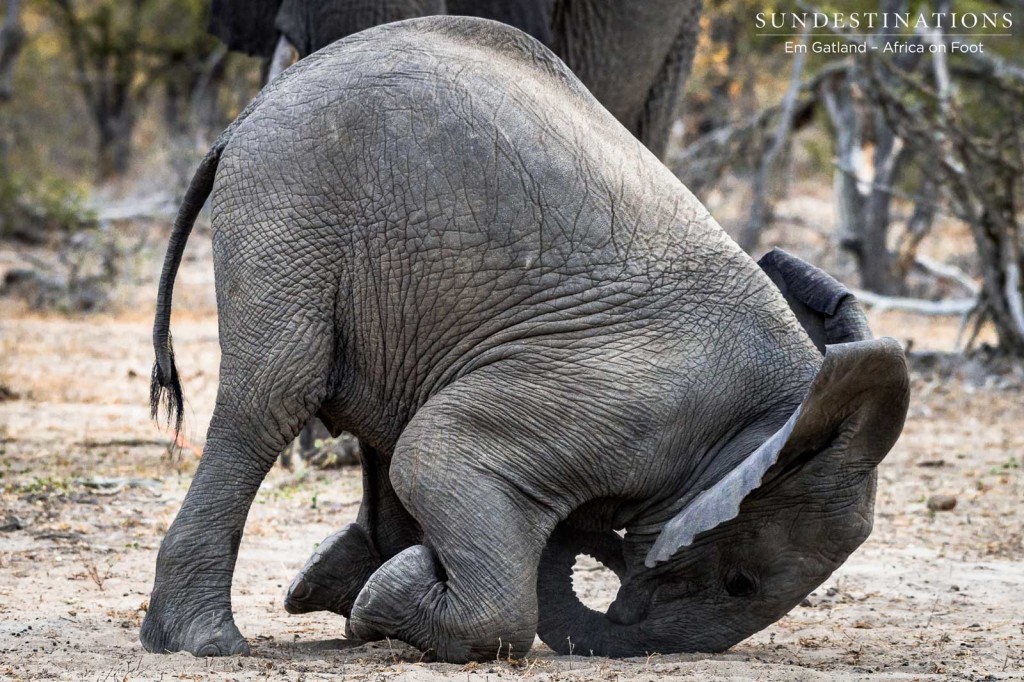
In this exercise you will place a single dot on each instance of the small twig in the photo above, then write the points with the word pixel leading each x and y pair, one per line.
pixel 979 322
pixel 759 207
pixel 931 614
pixel 892 191
pixel 964 321
pixel 182 443
pixel 93 572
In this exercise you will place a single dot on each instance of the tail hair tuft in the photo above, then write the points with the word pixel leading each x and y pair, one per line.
pixel 165 390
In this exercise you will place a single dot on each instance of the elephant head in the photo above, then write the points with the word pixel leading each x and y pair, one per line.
pixel 748 548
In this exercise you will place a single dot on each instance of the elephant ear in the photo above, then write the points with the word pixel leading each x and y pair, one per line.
pixel 854 409
pixel 827 310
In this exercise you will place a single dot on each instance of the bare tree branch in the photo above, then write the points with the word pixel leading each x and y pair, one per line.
pixel 948 272
pixel 12 38
pixel 759 208
pixel 958 306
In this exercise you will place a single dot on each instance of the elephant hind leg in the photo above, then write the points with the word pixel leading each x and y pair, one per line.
pixel 268 390
pixel 469 591
pixel 333 576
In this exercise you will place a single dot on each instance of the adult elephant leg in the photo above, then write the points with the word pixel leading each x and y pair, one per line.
pixel 302 446
pixel 662 106
pixel 469 592
pixel 341 565
pixel 260 408
pixel 382 513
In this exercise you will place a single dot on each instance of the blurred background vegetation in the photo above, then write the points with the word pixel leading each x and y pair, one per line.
pixel 106 106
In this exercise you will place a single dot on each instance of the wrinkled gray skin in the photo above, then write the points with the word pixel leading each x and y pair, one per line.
pixel 633 56
pixel 254 26
pixel 431 235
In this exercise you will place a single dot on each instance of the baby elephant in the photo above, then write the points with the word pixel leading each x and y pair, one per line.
pixel 431 235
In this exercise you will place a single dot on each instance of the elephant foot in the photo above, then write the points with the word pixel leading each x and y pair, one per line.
pixel 387 605
pixel 334 575
pixel 209 634
pixel 409 599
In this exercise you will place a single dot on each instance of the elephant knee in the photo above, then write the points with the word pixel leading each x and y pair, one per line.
pixel 409 598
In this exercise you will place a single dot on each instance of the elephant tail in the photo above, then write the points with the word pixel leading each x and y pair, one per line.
pixel 165 385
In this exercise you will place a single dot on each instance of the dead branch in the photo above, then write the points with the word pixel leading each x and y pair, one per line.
pixel 947 272
pixel 919 224
pixel 284 56
pixel 979 171
pixel 960 306
pixel 703 161
pixel 760 206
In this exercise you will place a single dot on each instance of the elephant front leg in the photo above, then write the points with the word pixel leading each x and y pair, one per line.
pixel 469 591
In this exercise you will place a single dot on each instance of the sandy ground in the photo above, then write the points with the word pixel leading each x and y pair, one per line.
pixel 88 488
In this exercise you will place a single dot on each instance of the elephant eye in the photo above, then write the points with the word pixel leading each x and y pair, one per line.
pixel 739 583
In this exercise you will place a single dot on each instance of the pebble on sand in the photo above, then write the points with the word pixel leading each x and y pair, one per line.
pixel 941 502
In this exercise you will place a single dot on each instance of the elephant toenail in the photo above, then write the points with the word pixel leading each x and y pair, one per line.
pixel 241 649
pixel 300 590
pixel 209 650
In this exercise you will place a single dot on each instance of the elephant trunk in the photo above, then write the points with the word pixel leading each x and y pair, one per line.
pixel 566 624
